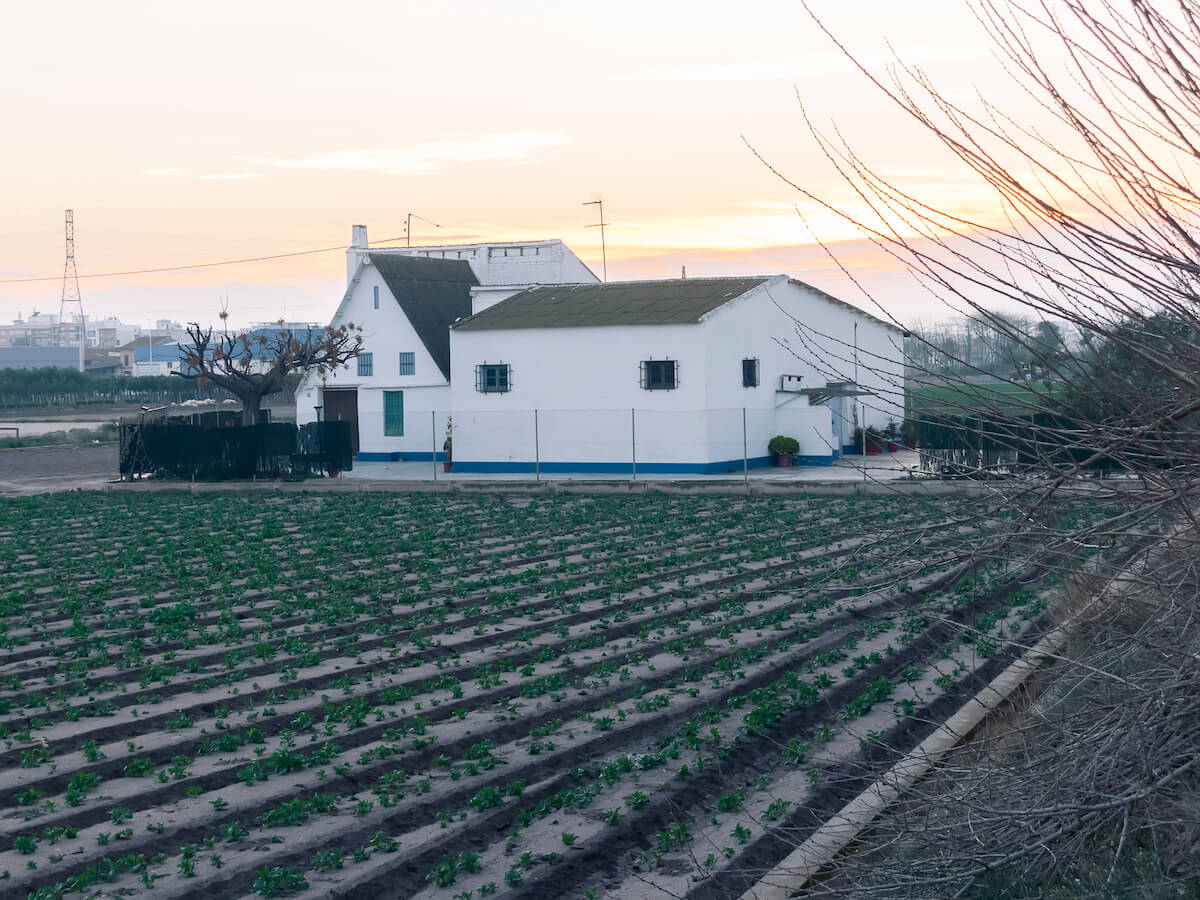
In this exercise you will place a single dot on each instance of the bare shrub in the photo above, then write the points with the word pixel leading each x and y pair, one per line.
pixel 1092 788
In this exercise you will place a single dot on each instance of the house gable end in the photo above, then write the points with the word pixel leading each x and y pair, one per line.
pixel 432 293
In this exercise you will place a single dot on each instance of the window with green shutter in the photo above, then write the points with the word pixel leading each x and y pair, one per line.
pixel 393 413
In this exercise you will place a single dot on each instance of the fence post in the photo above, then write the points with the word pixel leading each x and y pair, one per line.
pixel 537 450
pixel 863 430
pixel 633 440
pixel 433 437
pixel 745 451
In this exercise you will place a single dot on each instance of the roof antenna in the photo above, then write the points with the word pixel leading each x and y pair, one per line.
pixel 683 272
pixel 599 201
pixel 408 227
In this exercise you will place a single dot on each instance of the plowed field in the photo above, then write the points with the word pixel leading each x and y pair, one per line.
pixel 390 695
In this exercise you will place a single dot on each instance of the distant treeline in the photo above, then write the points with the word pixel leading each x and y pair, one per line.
pixel 56 387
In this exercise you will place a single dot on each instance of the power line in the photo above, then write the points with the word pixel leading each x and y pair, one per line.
pixel 208 265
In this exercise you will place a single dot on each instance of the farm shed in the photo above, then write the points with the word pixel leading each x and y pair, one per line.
pixel 669 376
pixel 396 394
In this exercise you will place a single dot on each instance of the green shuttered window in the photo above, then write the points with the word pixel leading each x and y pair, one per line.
pixel 393 413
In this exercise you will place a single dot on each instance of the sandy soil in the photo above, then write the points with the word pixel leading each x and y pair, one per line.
pixel 26 470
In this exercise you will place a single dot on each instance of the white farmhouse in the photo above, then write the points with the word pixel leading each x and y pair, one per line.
pixel 679 376
pixel 396 393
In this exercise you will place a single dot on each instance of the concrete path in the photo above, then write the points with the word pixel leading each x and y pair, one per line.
pixel 36 470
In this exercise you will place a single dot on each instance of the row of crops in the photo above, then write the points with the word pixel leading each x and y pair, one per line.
pixel 466 697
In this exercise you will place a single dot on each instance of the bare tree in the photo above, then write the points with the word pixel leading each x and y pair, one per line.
pixel 1102 206
pixel 253 365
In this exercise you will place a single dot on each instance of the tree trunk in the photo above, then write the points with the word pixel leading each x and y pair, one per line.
pixel 251 408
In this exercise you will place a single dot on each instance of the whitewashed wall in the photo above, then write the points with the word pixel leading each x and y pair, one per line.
pixel 585 382
pixel 515 263
pixel 578 368
pixel 386 332
pixel 795 330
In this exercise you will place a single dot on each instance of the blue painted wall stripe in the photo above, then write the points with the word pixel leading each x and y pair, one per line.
pixel 398 456
pixel 729 466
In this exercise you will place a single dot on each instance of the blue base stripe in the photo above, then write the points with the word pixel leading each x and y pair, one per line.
pixel 623 468
pixel 399 456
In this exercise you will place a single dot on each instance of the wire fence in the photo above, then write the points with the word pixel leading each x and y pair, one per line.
pixel 618 442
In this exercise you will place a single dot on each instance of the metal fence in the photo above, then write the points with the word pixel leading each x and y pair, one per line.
pixel 618 442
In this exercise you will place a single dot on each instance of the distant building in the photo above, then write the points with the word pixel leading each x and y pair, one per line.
pixel 39 330
pixel 110 332
pixel 157 358
pixel 150 348
pixel 102 361
pixel 39 357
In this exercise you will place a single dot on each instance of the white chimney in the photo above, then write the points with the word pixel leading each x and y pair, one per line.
pixel 358 247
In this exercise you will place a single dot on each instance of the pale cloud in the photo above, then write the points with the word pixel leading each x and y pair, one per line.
pixel 205 176
pixel 769 223
pixel 229 176
pixel 506 147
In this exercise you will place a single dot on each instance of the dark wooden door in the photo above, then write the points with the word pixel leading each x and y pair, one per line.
pixel 341 405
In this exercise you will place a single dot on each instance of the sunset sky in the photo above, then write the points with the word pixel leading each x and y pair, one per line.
pixel 191 134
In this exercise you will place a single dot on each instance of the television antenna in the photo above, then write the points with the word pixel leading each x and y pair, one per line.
pixel 408 227
pixel 601 225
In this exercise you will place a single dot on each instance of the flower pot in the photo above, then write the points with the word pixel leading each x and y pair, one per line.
pixel 446 466
pixel 892 446
pixel 784 460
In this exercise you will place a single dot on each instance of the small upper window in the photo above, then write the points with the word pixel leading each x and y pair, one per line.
pixel 408 363
pixel 493 378
pixel 366 365
pixel 749 373
pixel 377 296
pixel 660 374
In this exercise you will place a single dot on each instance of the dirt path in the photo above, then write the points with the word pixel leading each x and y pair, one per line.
pixel 27 470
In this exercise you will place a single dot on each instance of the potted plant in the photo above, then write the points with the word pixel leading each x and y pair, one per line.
pixel 874 441
pixel 908 431
pixel 891 434
pixel 784 449
pixel 448 446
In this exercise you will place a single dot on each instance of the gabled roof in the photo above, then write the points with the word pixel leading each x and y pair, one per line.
pixel 671 302
pixel 432 293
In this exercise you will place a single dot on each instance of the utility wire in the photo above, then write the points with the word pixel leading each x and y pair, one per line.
pixel 209 265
